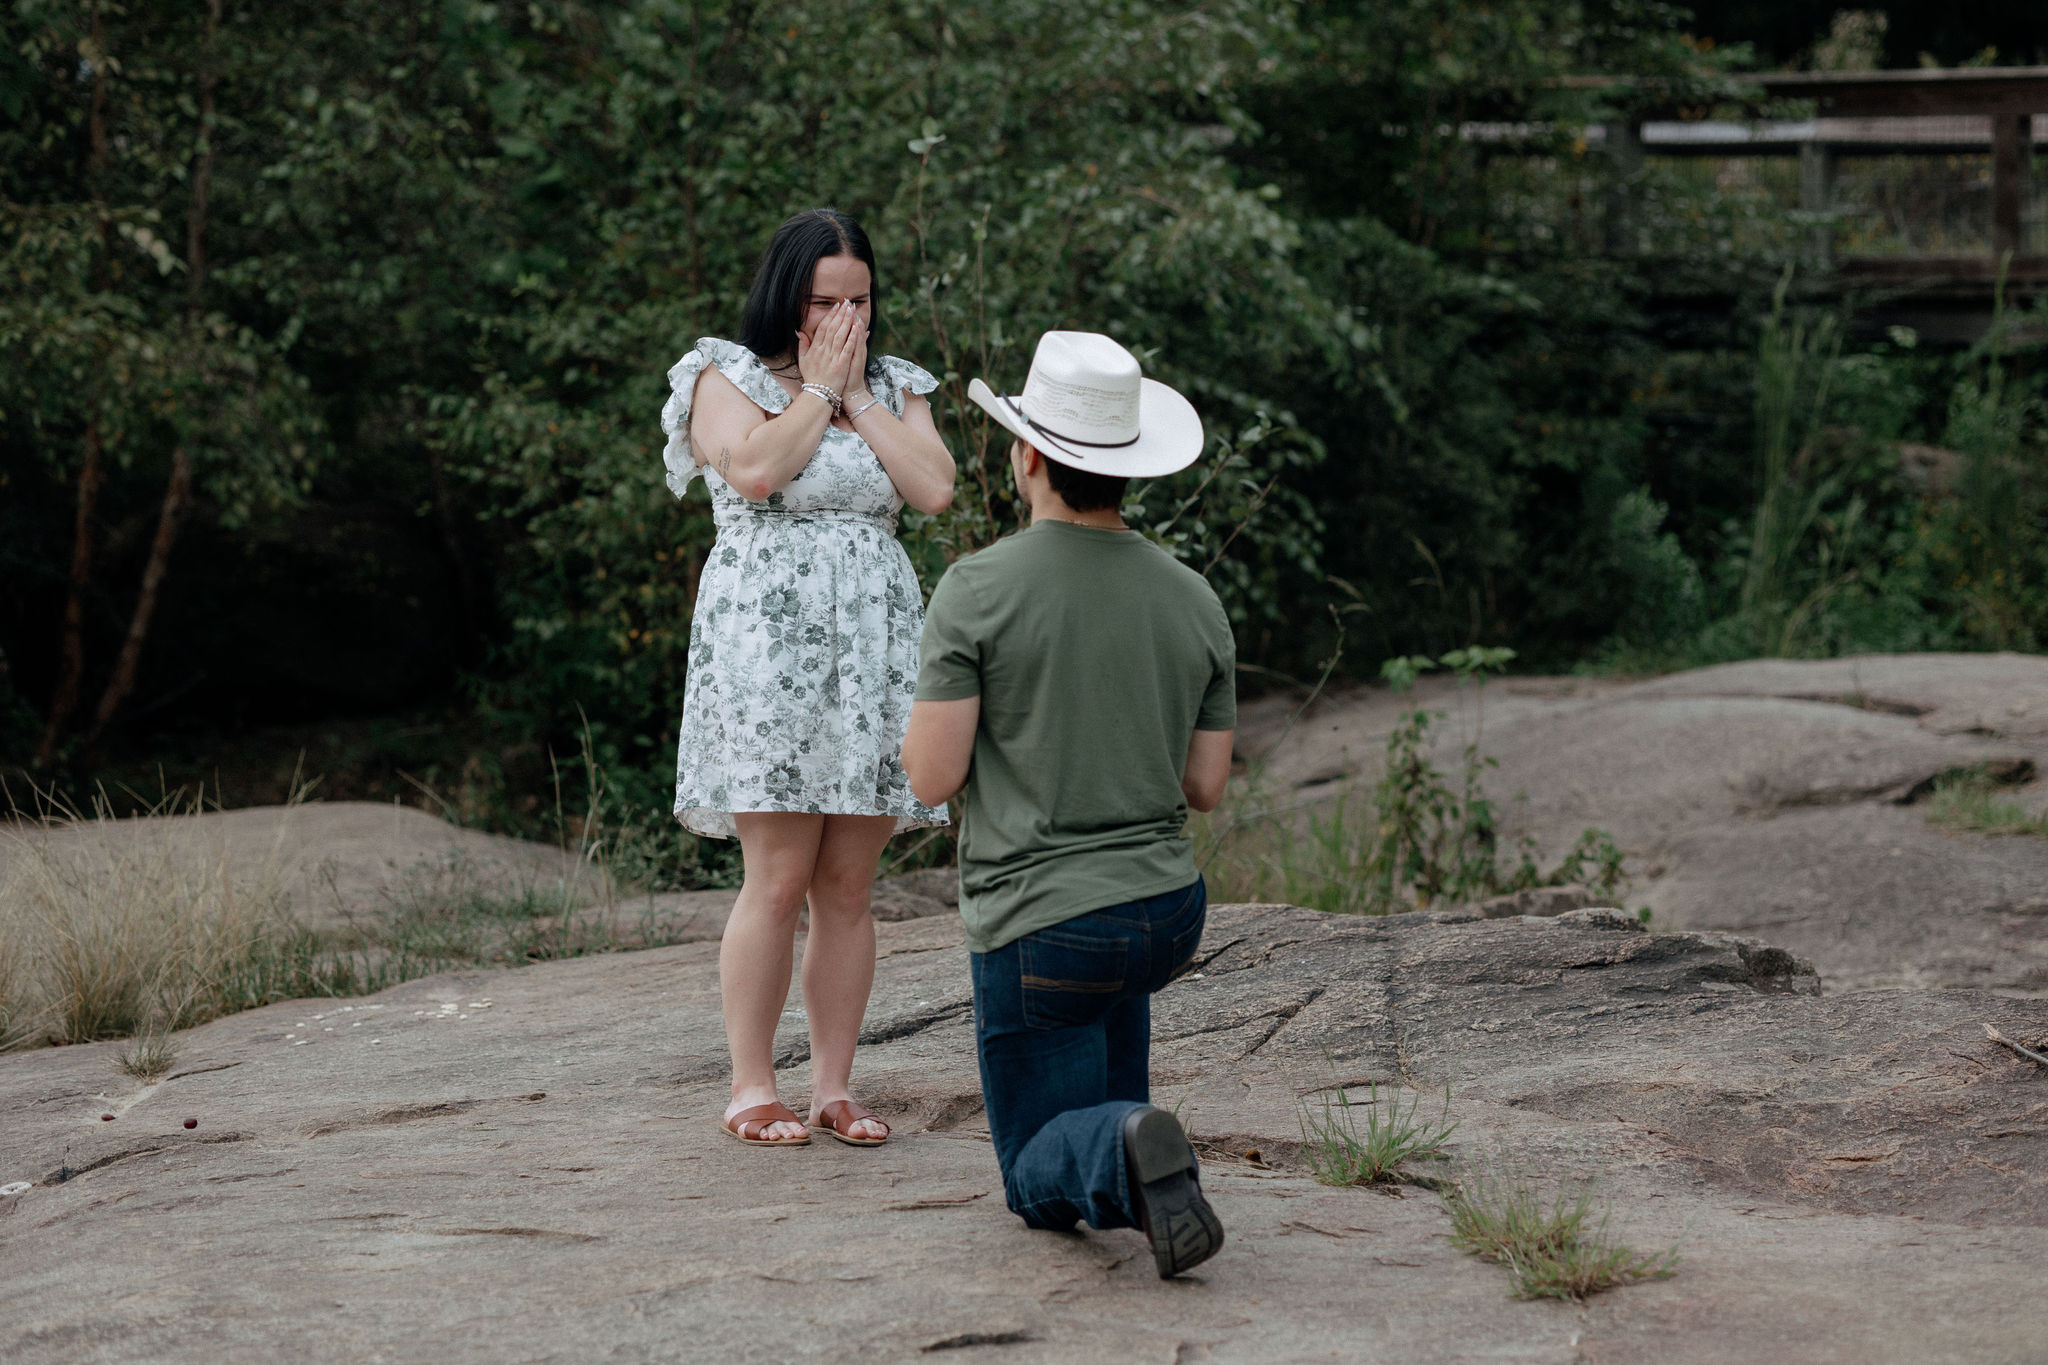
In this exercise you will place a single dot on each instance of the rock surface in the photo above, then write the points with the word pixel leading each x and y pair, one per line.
pixel 500 1165
pixel 523 1165
pixel 1775 797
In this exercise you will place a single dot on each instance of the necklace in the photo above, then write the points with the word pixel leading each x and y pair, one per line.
pixel 1121 525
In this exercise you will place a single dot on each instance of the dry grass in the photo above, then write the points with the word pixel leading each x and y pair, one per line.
pixel 149 1058
pixel 149 927
pixel 110 937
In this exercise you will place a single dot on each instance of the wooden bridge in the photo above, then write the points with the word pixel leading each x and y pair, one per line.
pixel 1994 114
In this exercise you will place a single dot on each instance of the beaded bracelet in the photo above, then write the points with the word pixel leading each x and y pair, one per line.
pixel 827 394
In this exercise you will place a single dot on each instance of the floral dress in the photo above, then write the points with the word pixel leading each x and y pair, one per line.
pixel 803 647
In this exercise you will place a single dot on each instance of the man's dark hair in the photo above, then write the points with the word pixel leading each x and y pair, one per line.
pixel 782 282
pixel 1082 491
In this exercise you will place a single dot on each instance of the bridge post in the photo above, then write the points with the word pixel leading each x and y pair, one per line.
pixel 1816 195
pixel 1624 145
pixel 2012 148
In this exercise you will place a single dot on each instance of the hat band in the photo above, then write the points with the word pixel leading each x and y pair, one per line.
pixel 1035 425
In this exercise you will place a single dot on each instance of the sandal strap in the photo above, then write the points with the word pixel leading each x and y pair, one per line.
pixel 760 1117
pixel 841 1115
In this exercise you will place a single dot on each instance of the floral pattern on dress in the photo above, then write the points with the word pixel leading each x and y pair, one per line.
pixel 803 646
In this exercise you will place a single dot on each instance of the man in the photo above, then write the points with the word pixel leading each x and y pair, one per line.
pixel 1078 685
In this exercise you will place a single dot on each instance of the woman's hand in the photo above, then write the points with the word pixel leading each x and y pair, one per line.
pixel 856 390
pixel 826 358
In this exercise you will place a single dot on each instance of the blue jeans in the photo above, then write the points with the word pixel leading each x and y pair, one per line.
pixel 1063 1026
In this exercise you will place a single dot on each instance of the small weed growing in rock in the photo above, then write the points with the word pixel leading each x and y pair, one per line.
pixel 150 1057
pixel 1415 840
pixel 1968 802
pixel 1339 1152
pixel 1557 1251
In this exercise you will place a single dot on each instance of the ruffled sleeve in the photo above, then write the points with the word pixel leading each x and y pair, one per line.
pixel 736 363
pixel 889 376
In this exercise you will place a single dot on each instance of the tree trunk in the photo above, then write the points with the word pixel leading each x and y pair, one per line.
pixel 202 168
pixel 92 471
pixel 176 494
pixel 71 656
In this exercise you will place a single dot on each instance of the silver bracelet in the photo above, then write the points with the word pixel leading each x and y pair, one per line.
pixel 872 400
pixel 828 395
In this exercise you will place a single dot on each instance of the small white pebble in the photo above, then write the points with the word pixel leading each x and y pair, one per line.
pixel 376 1042
pixel 373 1007
pixel 357 1024
pixel 300 1042
pixel 328 1029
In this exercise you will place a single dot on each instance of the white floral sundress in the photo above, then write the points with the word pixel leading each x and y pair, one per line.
pixel 803 646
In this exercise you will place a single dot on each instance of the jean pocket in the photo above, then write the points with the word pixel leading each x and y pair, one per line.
pixel 1071 978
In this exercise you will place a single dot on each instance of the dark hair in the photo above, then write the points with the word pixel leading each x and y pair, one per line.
pixel 782 282
pixel 1082 491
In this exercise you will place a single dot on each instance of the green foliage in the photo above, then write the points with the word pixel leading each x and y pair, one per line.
pixel 450 251
pixel 1341 1152
pixel 1415 843
pixel 1558 1250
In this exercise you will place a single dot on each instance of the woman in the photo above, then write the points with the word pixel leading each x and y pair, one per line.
pixel 803 649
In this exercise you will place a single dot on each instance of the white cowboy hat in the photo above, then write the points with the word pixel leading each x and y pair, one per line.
pixel 1085 404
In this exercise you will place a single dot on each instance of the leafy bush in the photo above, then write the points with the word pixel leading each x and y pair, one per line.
pixel 1415 843
pixel 445 265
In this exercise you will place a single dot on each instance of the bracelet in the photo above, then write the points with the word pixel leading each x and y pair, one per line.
pixel 826 394
pixel 872 400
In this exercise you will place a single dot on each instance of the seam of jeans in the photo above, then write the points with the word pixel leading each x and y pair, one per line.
pixel 1047 983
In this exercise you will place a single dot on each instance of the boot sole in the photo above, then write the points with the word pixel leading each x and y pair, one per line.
pixel 1184 1230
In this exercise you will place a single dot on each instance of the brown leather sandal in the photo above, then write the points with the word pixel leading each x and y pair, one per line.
pixel 839 1117
pixel 748 1125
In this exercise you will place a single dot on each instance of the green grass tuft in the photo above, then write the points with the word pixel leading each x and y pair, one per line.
pixel 1971 802
pixel 1340 1151
pixel 1561 1250
pixel 149 1058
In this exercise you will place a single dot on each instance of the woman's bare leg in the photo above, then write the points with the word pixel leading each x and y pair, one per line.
pixel 839 959
pixel 756 954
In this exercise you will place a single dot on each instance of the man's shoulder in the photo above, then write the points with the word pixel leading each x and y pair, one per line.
pixel 989 563
pixel 1182 578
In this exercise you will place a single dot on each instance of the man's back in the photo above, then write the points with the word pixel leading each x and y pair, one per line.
pixel 1096 656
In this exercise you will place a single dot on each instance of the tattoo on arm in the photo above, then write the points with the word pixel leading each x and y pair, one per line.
pixel 725 463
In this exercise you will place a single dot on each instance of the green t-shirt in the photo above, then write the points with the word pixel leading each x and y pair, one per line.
pixel 1096 656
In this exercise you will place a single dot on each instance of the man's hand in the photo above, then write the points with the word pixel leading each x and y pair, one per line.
pixel 940 746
